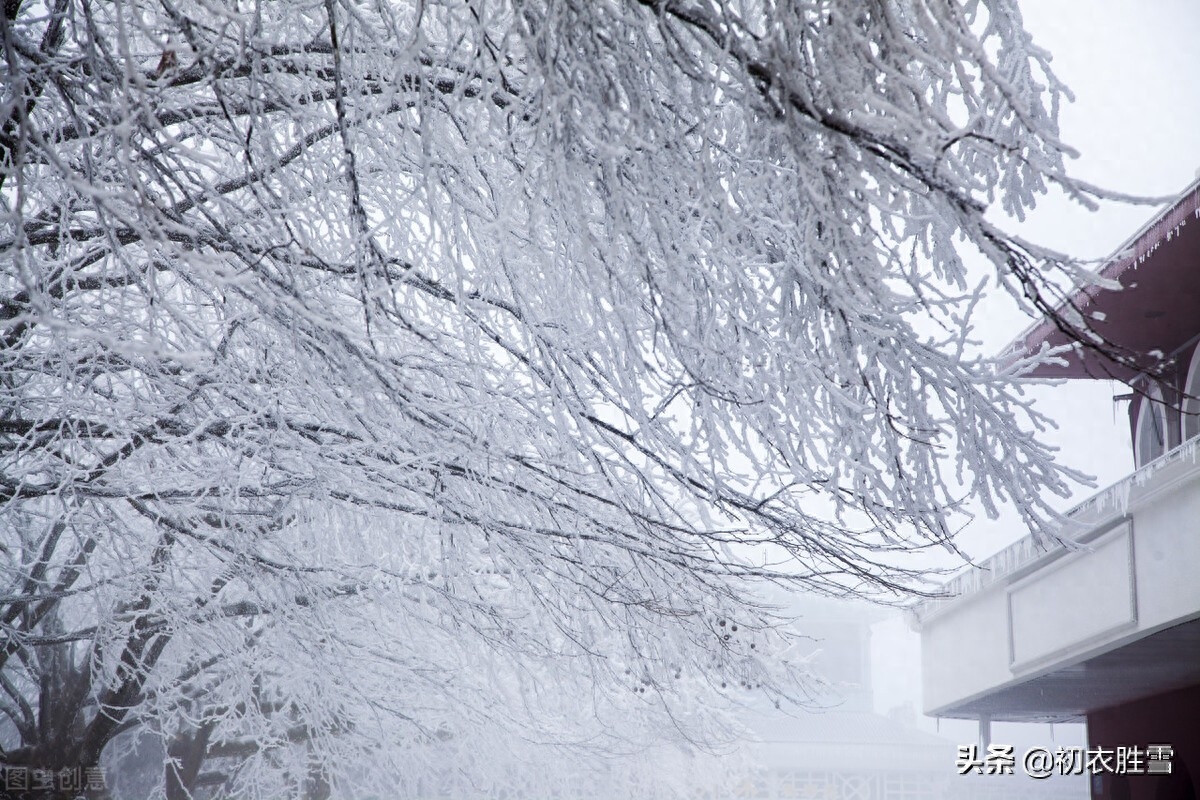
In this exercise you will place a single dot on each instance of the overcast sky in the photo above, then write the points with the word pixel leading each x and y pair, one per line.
pixel 1133 65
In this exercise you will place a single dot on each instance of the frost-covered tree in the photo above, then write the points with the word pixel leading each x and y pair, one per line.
pixel 380 379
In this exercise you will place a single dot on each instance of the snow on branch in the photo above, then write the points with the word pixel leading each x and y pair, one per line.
pixel 388 372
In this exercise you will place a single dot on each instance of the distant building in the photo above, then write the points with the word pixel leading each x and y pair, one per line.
pixel 846 751
pixel 1108 633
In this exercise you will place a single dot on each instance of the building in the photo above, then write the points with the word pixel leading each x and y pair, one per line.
pixel 1107 632
pixel 841 749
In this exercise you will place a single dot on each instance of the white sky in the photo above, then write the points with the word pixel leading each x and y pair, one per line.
pixel 1133 65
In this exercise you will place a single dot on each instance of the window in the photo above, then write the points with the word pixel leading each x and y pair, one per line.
pixel 1191 398
pixel 1150 435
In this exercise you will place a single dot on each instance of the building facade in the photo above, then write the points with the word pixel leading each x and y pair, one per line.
pixel 1106 630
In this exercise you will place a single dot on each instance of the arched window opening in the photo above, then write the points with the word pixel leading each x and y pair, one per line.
pixel 1150 438
pixel 1191 398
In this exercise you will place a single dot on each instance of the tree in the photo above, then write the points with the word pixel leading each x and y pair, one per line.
pixel 526 336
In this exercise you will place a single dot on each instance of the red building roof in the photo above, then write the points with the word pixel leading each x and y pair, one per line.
pixel 1157 310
